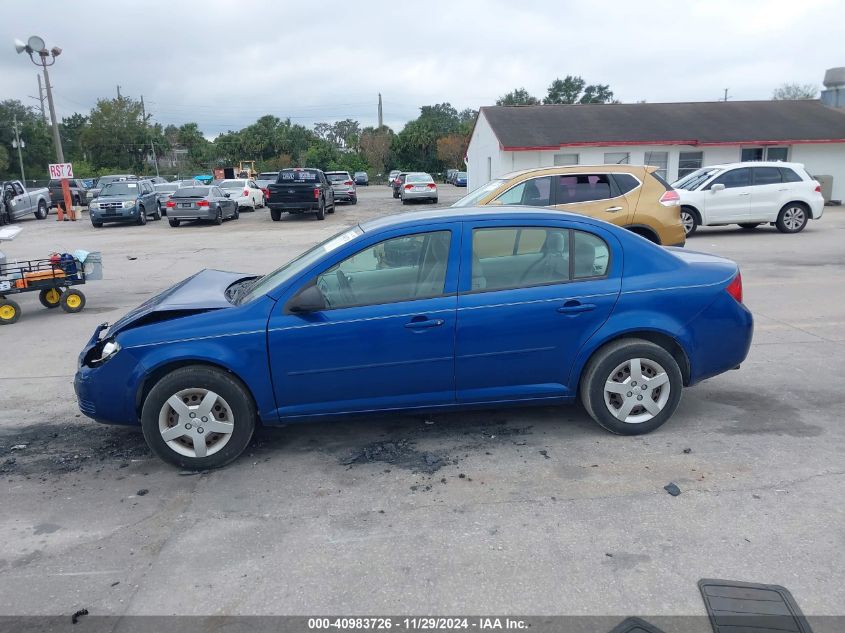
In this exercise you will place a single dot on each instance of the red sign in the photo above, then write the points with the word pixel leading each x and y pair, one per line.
pixel 61 170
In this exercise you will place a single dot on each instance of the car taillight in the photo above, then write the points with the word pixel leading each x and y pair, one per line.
pixel 349 182
pixel 246 192
pixel 670 198
pixel 409 186
pixel 170 204
pixel 734 288
pixel 316 193
pixel 202 203
pixel 818 189
pixel 266 193
pixel 431 185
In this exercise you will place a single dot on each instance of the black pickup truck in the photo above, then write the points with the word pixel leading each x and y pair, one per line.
pixel 301 190
pixel 78 192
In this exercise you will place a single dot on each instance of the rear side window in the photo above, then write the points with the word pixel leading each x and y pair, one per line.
pixel 626 182
pixel 766 175
pixel 789 175
pixel 583 188
pixel 733 178
pixel 533 193
pixel 591 255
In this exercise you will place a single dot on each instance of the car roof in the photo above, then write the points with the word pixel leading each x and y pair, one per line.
pixel 757 163
pixel 421 218
pixel 575 169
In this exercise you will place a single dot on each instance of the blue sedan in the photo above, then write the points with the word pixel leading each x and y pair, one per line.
pixel 421 311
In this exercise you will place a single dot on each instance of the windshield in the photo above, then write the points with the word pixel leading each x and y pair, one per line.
pixel 473 197
pixel 102 182
pixel 300 263
pixel 120 189
pixel 192 192
pixel 695 179
pixel 462 174
pixel 233 184
pixel 268 175
pixel 337 177
pixel 167 186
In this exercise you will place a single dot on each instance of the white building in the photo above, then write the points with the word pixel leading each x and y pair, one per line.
pixel 676 137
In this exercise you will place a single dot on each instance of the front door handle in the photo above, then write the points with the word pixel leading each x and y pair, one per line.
pixel 421 322
pixel 576 307
pixel 613 209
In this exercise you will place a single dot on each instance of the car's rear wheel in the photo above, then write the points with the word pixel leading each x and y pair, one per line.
pixel 321 210
pixel 218 219
pixel 748 226
pixel 793 218
pixel 198 417
pixel 275 215
pixel 174 222
pixel 631 386
pixel 236 213
pixel 690 220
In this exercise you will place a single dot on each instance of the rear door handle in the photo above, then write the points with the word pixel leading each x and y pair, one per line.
pixel 423 322
pixel 576 307
pixel 613 209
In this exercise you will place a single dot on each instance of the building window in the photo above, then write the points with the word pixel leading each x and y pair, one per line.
pixel 489 168
pixel 688 162
pixel 659 160
pixel 617 158
pixel 750 154
pixel 566 159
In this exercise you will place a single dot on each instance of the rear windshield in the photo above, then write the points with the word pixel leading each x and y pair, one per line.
pixel 298 175
pixel 695 179
pixel 120 189
pixel 167 186
pixel 418 178
pixel 337 177
pixel 192 192
pixel 233 184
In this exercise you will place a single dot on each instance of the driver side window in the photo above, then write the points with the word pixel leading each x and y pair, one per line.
pixel 533 193
pixel 399 269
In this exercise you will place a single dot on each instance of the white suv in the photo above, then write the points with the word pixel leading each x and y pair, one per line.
pixel 749 194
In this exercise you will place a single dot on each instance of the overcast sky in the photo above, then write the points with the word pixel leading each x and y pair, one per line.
pixel 224 64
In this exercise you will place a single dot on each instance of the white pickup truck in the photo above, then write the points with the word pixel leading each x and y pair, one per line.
pixel 16 201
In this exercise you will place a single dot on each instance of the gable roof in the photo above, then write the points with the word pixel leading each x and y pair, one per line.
pixel 700 123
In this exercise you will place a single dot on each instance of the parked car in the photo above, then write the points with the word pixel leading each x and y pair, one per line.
pixel 125 201
pixel 17 201
pixel 603 316
pixel 362 178
pixel 418 186
pixel 245 192
pixel 449 176
pixel 749 194
pixel 398 182
pixel 301 190
pixel 343 186
pixel 78 192
pixel 201 202
pixel 102 181
pixel 164 191
pixel 264 180
pixel 629 196
pixel 156 180
pixel 460 179
pixel 392 176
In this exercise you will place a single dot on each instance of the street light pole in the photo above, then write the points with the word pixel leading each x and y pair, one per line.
pixel 36 45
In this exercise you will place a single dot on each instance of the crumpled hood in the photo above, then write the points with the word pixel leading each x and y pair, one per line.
pixel 203 291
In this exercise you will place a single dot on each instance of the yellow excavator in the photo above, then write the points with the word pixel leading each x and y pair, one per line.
pixel 246 169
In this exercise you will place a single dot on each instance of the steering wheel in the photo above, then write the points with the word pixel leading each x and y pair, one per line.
pixel 345 287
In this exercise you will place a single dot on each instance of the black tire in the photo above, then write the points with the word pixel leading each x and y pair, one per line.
pixel 218 220
pixel 96 224
pixel 75 202
pixel 354 200
pixel 690 219
pixel 275 215
pixel 72 301
pixel 174 222
pixel 395 194
pixel 142 216
pixel 748 226
pixel 236 213
pixel 599 370
pixel 321 210
pixel 793 218
pixel 157 214
pixel 50 297
pixel 434 201
pixel 162 209
pixel 10 312
pixel 42 211
pixel 404 201
pixel 222 383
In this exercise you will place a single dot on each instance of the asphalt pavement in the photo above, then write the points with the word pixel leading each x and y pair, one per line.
pixel 517 510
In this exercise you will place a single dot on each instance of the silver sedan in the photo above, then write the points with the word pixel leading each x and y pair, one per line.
pixel 418 186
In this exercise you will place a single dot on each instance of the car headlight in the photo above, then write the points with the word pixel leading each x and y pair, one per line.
pixel 94 205
pixel 128 204
pixel 107 350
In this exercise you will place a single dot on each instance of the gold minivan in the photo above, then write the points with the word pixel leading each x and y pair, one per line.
pixel 631 196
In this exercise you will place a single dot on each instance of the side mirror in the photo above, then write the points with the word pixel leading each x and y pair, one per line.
pixel 309 299
pixel 228 195
pixel 717 187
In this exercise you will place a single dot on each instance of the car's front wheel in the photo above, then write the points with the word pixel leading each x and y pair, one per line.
pixel 792 218
pixel 198 417
pixel 631 386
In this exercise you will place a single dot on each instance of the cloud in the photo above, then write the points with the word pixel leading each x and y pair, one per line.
pixel 224 64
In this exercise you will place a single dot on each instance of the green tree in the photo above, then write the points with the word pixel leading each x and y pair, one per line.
pixel 191 138
pixel 4 159
pixel 572 89
pixel 519 96
pixel 416 144
pixel 792 91
pixel 376 146
pixel 38 150
pixel 117 134
pixel 70 130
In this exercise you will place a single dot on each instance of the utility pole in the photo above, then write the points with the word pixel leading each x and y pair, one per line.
pixel 17 143
pixel 36 45
pixel 380 118
pixel 144 118
pixel 41 99
pixel 725 99
pixel 118 91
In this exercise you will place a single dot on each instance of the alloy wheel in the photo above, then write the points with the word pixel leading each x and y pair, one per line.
pixel 637 390
pixel 196 422
pixel 794 218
